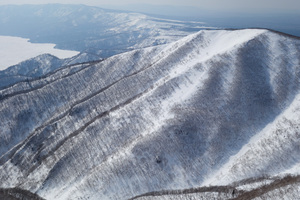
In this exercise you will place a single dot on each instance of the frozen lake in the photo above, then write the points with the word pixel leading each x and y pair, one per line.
pixel 14 50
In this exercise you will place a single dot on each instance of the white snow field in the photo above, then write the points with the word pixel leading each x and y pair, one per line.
pixel 14 50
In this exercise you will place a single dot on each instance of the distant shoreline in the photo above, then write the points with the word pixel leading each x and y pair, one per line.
pixel 14 50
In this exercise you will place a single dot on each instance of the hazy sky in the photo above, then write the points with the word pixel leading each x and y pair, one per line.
pixel 227 5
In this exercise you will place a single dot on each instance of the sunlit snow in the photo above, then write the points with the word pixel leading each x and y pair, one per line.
pixel 14 50
pixel 216 108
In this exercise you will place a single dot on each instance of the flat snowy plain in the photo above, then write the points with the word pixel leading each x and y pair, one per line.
pixel 14 50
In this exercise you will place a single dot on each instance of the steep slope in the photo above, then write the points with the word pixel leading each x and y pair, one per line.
pixel 215 105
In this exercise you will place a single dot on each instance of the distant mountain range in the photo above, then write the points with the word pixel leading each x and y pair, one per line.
pixel 280 20
pixel 215 114
pixel 91 29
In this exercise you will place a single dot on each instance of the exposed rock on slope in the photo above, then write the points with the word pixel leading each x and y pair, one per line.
pixel 212 108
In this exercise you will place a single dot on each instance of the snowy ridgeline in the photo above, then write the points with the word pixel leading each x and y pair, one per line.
pixel 213 108
pixel 40 66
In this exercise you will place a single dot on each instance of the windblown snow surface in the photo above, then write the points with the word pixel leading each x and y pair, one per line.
pixel 215 108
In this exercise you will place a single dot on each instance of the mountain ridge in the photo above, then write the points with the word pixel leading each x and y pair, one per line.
pixel 40 66
pixel 166 117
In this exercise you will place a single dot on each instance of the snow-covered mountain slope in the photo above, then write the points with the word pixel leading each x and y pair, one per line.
pixel 210 109
pixel 91 29
pixel 40 66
